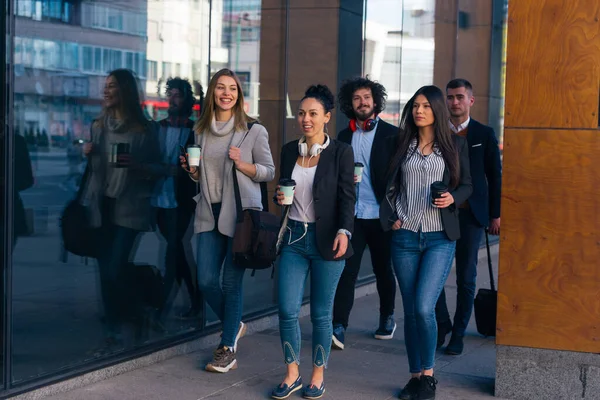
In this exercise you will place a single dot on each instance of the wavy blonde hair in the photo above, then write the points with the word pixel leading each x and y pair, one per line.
pixel 209 107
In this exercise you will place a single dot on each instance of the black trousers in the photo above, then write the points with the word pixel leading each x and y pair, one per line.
pixel 467 251
pixel 173 224
pixel 367 232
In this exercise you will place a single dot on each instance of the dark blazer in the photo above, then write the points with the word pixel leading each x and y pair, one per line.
pixel 381 155
pixel 387 210
pixel 486 172
pixel 333 192
pixel 185 188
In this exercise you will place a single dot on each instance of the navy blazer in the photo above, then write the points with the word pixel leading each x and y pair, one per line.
pixel 381 155
pixel 486 172
pixel 387 210
pixel 334 195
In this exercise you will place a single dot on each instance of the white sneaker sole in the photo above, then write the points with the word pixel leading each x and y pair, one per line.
pixel 288 395
pixel 241 333
pixel 222 370
pixel 336 343
pixel 387 337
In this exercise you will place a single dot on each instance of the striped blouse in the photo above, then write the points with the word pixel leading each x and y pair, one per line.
pixel 413 204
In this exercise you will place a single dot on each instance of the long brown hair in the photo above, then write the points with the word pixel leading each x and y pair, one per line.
pixel 130 101
pixel 209 107
pixel 442 134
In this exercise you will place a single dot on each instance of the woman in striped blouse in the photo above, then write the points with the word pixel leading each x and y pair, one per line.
pixel 425 229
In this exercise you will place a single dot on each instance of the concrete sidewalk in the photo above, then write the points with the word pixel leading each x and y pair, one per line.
pixel 366 369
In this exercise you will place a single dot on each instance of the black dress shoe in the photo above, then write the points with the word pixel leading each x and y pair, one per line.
pixel 456 345
pixel 444 328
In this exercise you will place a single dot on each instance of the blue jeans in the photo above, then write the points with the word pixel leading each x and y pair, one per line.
pixel 467 252
pixel 214 252
pixel 297 259
pixel 422 262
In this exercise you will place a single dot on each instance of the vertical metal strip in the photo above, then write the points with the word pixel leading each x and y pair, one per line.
pixel 285 73
pixel 455 47
pixel 7 100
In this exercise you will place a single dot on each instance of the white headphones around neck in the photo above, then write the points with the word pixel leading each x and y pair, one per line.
pixel 315 149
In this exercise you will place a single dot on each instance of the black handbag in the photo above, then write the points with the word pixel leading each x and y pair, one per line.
pixel 78 236
pixel 486 301
pixel 255 239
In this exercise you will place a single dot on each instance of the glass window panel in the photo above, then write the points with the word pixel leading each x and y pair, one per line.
pixel 98 59
pixel 129 61
pixel 87 58
pixel 60 321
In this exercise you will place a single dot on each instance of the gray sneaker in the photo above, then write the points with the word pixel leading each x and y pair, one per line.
pixel 223 360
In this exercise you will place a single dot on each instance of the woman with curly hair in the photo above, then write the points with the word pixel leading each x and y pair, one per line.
pixel 317 227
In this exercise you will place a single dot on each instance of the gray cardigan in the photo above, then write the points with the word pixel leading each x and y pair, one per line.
pixel 132 205
pixel 254 149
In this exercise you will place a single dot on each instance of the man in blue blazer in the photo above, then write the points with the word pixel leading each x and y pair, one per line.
pixel 480 211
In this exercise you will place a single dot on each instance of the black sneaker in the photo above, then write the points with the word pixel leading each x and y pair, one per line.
pixel 387 327
pixel 444 329
pixel 427 388
pixel 223 360
pixel 337 340
pixel 455 346
pixel 411 390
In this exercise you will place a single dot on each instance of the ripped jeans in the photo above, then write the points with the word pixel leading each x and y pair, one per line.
pixel 297 259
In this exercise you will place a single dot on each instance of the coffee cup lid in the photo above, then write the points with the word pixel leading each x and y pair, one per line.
pixel 438 185
pixel 193 145
pixel 359 164
pixel 287 182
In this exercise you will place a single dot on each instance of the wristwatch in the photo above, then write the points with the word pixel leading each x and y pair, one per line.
pixel 345 232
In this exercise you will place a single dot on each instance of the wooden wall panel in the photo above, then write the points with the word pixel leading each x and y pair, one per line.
pixel 553 63
pixel 549 280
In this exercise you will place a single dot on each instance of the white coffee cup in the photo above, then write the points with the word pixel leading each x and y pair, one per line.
pixel 193 153
pixel 358 170
pixel 287 187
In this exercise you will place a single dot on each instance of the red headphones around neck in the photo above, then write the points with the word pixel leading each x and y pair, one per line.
pixel 370 124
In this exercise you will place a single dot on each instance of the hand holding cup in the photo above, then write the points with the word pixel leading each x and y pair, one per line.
pixel 285 192
pixel 358 171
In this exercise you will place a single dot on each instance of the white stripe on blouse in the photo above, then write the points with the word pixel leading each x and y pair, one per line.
pixel 413 204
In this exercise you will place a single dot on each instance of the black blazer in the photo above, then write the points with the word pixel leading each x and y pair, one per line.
pixel 381 155
pixel 486 172
pixel 387 210
pixel 334 209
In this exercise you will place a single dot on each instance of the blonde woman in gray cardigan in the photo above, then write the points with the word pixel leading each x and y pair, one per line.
pixel 222 133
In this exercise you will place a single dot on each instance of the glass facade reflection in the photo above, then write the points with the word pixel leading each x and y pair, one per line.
pixel 58 55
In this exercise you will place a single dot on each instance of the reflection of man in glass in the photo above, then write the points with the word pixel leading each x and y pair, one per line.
pixel 23 180
pixel 174 195
pixel 75 159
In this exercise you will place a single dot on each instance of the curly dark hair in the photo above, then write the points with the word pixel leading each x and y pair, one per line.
pixel 184 86
pixel 322 94
pixel 352 85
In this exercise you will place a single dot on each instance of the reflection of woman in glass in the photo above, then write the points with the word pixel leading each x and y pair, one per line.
pixel 425 226
pixel 317 229
pixel 228 144
pixel 118 190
